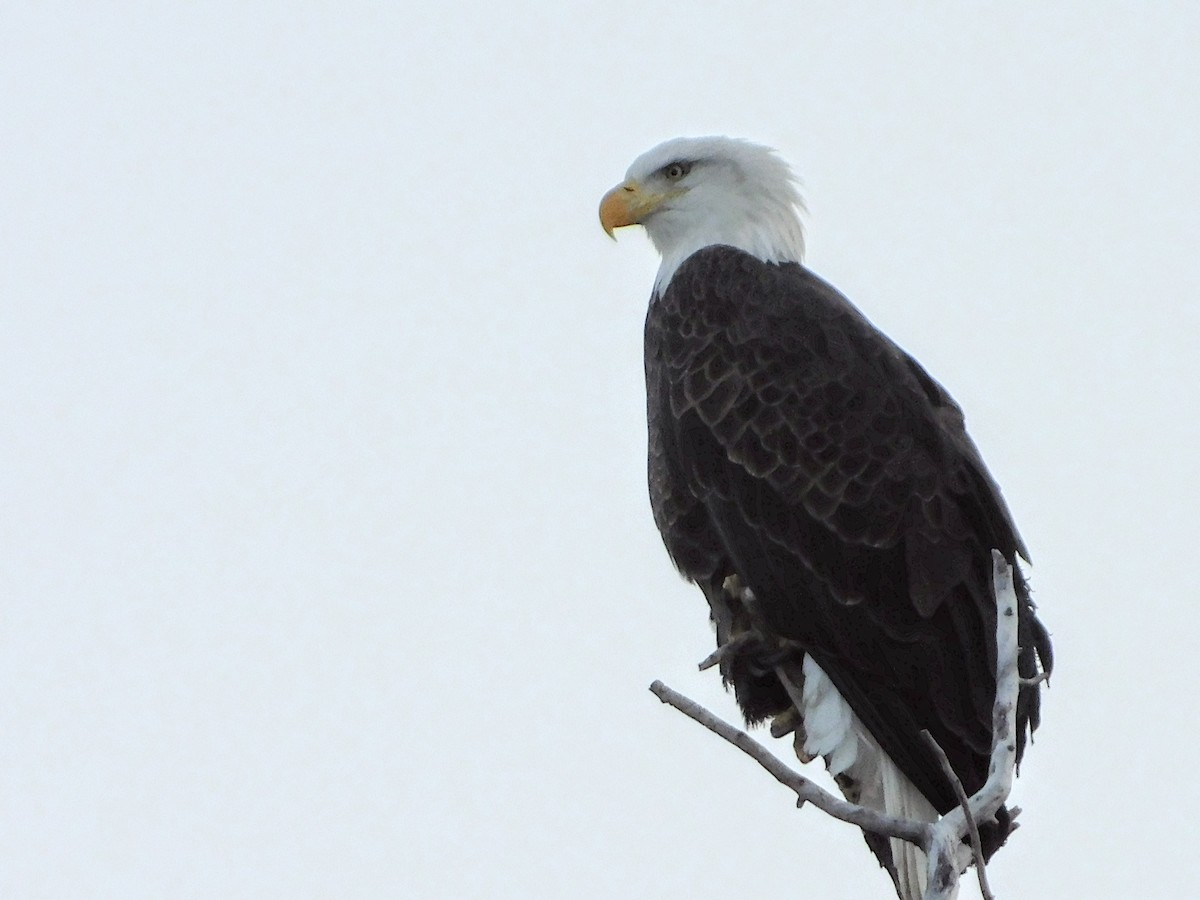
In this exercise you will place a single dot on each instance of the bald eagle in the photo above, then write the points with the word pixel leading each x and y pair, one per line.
pixel 820 488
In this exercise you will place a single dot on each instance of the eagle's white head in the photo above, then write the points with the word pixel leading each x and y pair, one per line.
pixel 690 193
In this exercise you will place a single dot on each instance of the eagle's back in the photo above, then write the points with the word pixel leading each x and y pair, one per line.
pixel 795 446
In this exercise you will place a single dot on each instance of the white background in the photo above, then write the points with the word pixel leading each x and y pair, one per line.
pixel 327 568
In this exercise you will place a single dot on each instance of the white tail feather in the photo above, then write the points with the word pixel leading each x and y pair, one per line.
pixel 834 732
pixel 901 798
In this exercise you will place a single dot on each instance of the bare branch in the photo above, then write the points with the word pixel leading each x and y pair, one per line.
pixel 806 791
pixel 943 839
pixel 949 831
pixel 729 647
pixel 713 658
pixel 1036 680
pixel 964 804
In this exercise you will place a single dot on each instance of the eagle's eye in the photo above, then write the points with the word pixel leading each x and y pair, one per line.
pixel 676 170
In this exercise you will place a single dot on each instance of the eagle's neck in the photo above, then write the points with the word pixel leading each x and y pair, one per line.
pixel 772 233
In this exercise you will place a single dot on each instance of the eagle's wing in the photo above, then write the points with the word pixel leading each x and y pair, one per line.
pixel 804 450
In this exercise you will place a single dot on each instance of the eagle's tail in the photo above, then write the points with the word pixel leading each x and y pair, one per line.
pixel 900 798
pixel 865 773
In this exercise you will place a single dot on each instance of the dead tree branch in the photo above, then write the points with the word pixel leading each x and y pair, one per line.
pixel 948 832
pixel 806 791
pixel 940 840
pixel 964 803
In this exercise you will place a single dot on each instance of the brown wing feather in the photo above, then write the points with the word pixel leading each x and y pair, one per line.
pixel 794 444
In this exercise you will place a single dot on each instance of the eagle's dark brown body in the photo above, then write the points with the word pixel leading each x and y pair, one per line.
pixel 794 446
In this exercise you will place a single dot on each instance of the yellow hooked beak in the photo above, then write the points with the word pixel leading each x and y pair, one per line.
pixel 628 204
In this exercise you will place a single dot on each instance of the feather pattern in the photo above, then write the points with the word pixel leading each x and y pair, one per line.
pixel 796 448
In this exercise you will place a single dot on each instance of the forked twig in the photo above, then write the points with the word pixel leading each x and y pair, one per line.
pixel 964 803
pixel 940 840
pixel 806 791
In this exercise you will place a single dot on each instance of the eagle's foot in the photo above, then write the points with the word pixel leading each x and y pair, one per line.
pixel 786 722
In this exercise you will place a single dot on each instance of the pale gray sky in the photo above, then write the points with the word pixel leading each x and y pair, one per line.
pixel 328 567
